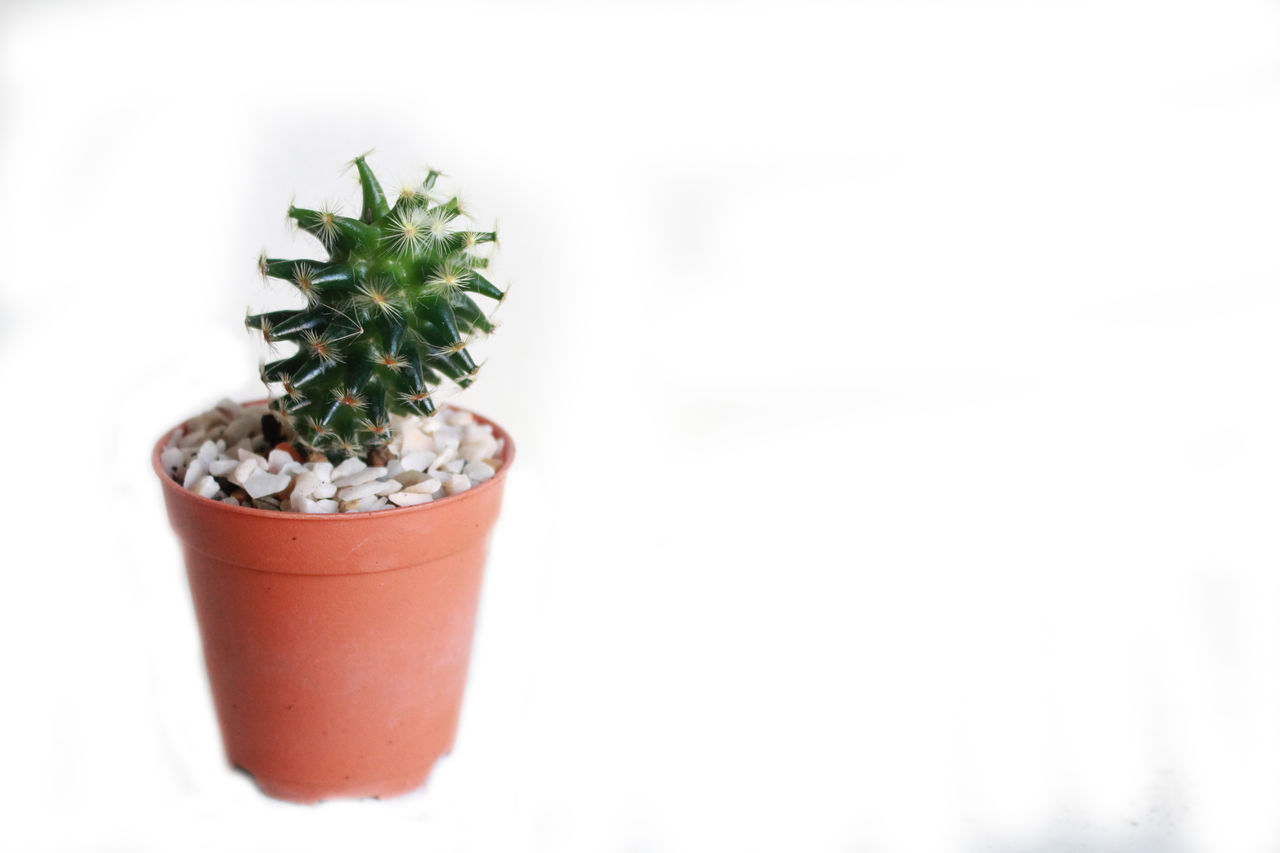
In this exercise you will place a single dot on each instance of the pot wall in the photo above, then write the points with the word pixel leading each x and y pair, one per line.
pixel 337 646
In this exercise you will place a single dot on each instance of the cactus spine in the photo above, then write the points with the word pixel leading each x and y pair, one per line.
pixel 387 317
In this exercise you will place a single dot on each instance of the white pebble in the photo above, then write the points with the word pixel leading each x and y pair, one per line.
pixel 354 493
pixel 425 487
pixel 418 461
pixel 324 490
pixel 172 458
pixel 192 439
pixel 322 506
pixel 242 427
pixel 409 498
pixel 413 440
pixel 386 487
pixel 243 454
pixel 291 467
pixel 457 417
pixel 305 484
pixel 205 487
pixel 362 476
pixel 323 470
pixel 399 425
pixel 348 466
pixel 448 437
pixel 394 466
pixel 457 483
pixel 226 409
pixel 222 467
pixel 246 469
pixel 478 471
pixel 195 471
pixel 480 447
pixel 208 452
pixel 446 455
pixel 370 503
pixel 277 459
pixel 454 466
pixel 261 483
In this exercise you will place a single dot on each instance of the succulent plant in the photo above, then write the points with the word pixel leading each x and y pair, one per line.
pixel 388 317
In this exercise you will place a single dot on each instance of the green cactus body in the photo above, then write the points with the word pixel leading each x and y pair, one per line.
pixel 387 317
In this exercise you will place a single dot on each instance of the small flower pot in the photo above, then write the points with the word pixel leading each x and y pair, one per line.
pixel 337 646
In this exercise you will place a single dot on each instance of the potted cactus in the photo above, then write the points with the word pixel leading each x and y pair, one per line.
pixel 335 535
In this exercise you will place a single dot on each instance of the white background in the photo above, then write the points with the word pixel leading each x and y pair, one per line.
pixel 895 386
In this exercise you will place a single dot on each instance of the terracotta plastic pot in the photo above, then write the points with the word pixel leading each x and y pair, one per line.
pixel 337 645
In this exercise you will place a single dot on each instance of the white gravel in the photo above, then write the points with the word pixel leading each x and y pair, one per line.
pixel 263 483
pixel 223 455
pixel 366 475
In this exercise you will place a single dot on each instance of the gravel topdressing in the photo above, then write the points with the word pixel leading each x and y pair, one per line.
pixel 243 455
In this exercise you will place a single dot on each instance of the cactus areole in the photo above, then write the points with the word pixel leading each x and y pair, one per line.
pixel 387 318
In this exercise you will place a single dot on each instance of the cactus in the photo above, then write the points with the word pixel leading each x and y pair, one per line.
pixel 387 317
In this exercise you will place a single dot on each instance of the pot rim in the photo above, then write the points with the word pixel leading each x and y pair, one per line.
pixel 508 456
